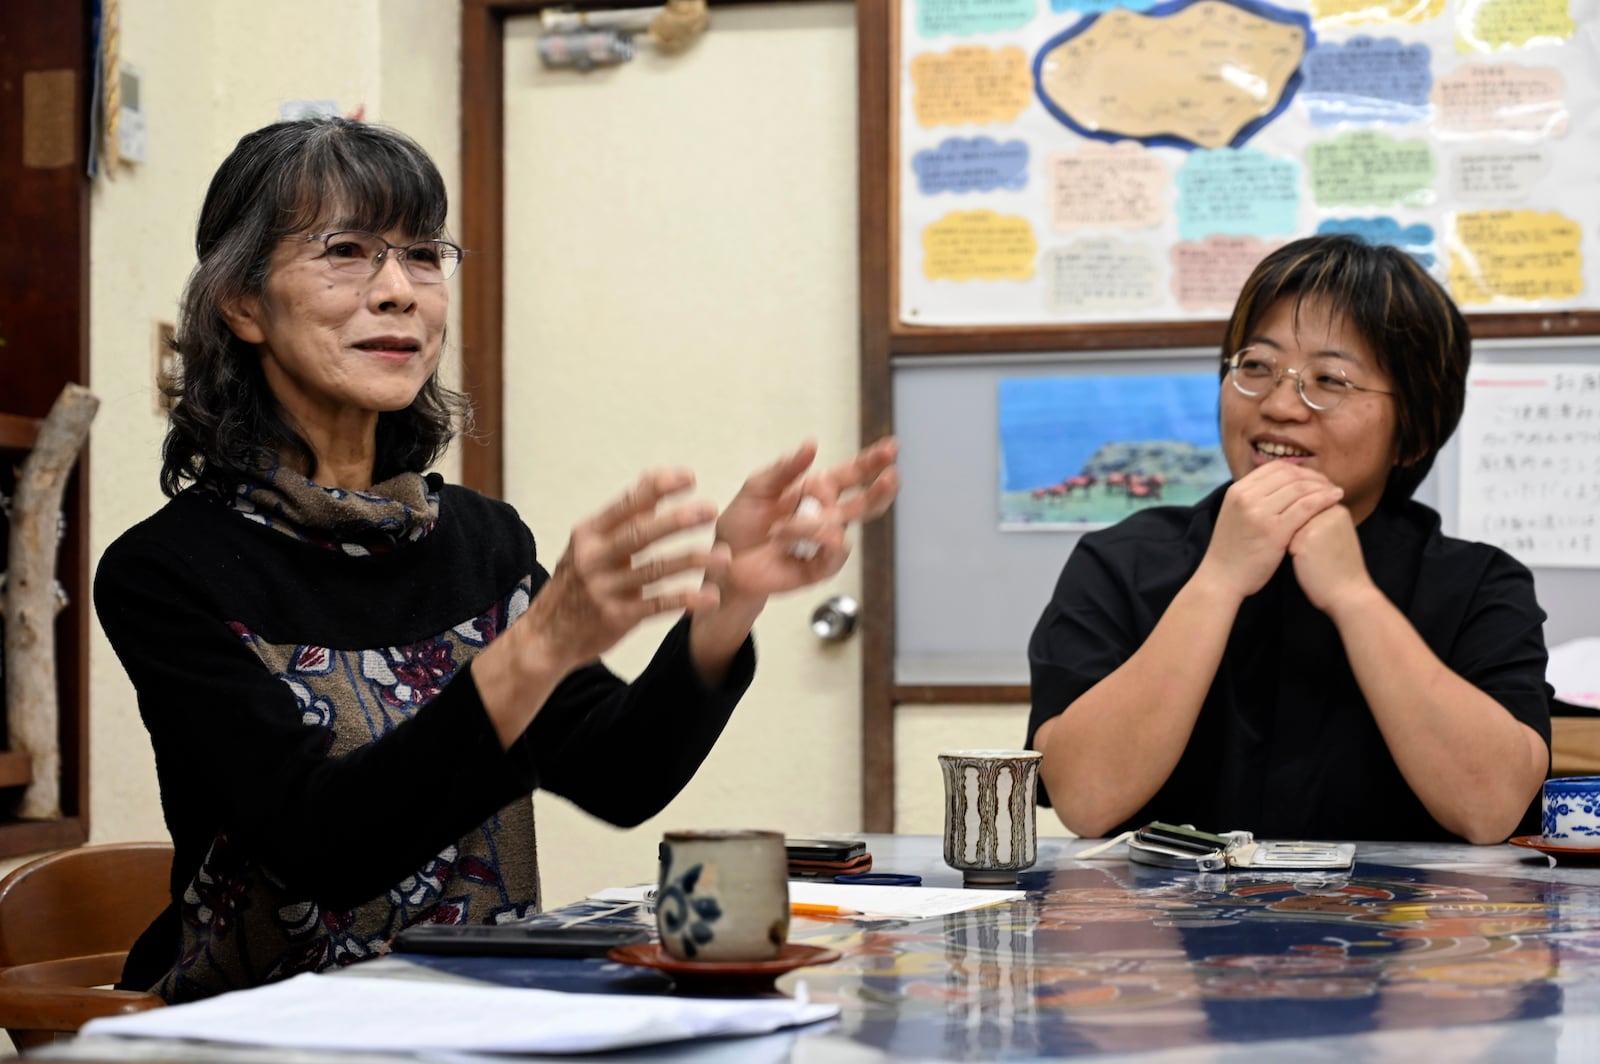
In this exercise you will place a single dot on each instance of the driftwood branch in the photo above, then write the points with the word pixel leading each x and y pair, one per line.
pixel 32 708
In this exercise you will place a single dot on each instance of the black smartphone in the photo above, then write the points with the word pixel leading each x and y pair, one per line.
pixel 516 940
pixel 824 849
pixel 1181 837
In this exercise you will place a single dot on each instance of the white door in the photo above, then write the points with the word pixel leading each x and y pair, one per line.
pixel 681 289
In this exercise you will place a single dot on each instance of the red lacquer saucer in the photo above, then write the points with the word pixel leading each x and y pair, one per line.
pixel 1556 849
pixel 748 974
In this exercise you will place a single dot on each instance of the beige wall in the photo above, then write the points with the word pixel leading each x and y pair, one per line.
pixel 215 69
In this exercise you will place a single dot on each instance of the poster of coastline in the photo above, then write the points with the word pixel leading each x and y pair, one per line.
pixel 1067 161
pixel 1084 452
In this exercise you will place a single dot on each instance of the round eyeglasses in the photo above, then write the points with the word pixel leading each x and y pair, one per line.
pixel 360 254
pixel 1322 382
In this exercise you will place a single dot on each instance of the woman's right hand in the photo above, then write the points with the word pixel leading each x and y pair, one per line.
pixel 1261 512
pixel 598 592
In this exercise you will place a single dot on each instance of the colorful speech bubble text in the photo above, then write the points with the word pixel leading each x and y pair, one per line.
pixel 971 164
pixel 970 85
pixel 1521 255
pixel 979 246
pixel 1501 98
pixel 1098 7
pixel 1101 274
pixel 1122 185
pixel 1415 240
pixel 1237 192
pixel 1498 176
pixel 1369 169
pixel 962 18
pixel 1208 274
pixel 1368 12
pixel 1490 25
pixel 1367 79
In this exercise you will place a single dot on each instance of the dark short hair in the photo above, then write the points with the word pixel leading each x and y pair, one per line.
pixel 1408 320
pixel 278 181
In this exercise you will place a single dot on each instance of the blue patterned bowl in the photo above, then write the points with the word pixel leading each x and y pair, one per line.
pixel 1572 811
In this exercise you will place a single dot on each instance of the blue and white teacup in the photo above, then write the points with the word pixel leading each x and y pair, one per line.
pixel 1572 811
pixel 723 895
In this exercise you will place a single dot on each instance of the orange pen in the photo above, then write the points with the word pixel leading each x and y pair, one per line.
pixel 802 908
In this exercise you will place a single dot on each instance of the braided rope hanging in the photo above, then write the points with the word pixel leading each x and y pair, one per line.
pixel 111 85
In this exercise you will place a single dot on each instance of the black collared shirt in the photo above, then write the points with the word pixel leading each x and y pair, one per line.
pixel 1285 745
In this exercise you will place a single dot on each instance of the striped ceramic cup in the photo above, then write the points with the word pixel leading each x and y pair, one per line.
pixel 990 805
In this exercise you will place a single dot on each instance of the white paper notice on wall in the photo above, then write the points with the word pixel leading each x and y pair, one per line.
pixel 1530 462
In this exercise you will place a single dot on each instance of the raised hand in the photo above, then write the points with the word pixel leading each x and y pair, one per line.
pixel 600 590
pixel 780 542
pixel 1261 513
pixel 773 543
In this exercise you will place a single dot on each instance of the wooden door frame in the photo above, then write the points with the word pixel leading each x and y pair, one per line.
pixel 482 210
pixel 876 147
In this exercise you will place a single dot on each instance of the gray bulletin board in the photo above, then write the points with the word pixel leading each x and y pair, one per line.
pixel 968 594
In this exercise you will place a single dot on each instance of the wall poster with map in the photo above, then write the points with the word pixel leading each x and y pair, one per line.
pixel 1068 161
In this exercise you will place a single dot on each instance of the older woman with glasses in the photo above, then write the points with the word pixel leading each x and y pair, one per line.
pixel 1303 653
pixel 354 674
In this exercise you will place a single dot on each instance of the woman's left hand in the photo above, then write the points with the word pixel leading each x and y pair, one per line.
pixel 1328 561
pixel 768 542
pixel 779 541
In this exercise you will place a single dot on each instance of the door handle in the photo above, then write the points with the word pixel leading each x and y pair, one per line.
pixel 835 620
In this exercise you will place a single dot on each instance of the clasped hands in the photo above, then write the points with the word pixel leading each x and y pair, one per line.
pixel 1283 508
pixel 606 583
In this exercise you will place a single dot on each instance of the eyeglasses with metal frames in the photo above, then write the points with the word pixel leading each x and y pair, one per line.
pixel 1321 383
pixel 359 253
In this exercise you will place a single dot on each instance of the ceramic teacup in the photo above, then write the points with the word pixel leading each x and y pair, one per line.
pixel 990 806
pixel 723 895
pixel 1571 807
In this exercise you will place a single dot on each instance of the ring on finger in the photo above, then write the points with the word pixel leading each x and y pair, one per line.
pixel 806 549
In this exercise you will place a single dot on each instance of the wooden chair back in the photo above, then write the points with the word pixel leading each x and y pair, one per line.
pixel 67 921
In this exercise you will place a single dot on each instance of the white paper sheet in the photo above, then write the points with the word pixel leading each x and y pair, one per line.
pixel 345 1012
pixel 903 903
pixel 1574 671
pixel 1527 468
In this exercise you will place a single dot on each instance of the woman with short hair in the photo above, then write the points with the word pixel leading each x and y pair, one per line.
pixel 1303 653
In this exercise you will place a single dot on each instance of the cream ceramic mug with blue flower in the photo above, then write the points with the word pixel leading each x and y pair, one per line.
pixel 723 895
